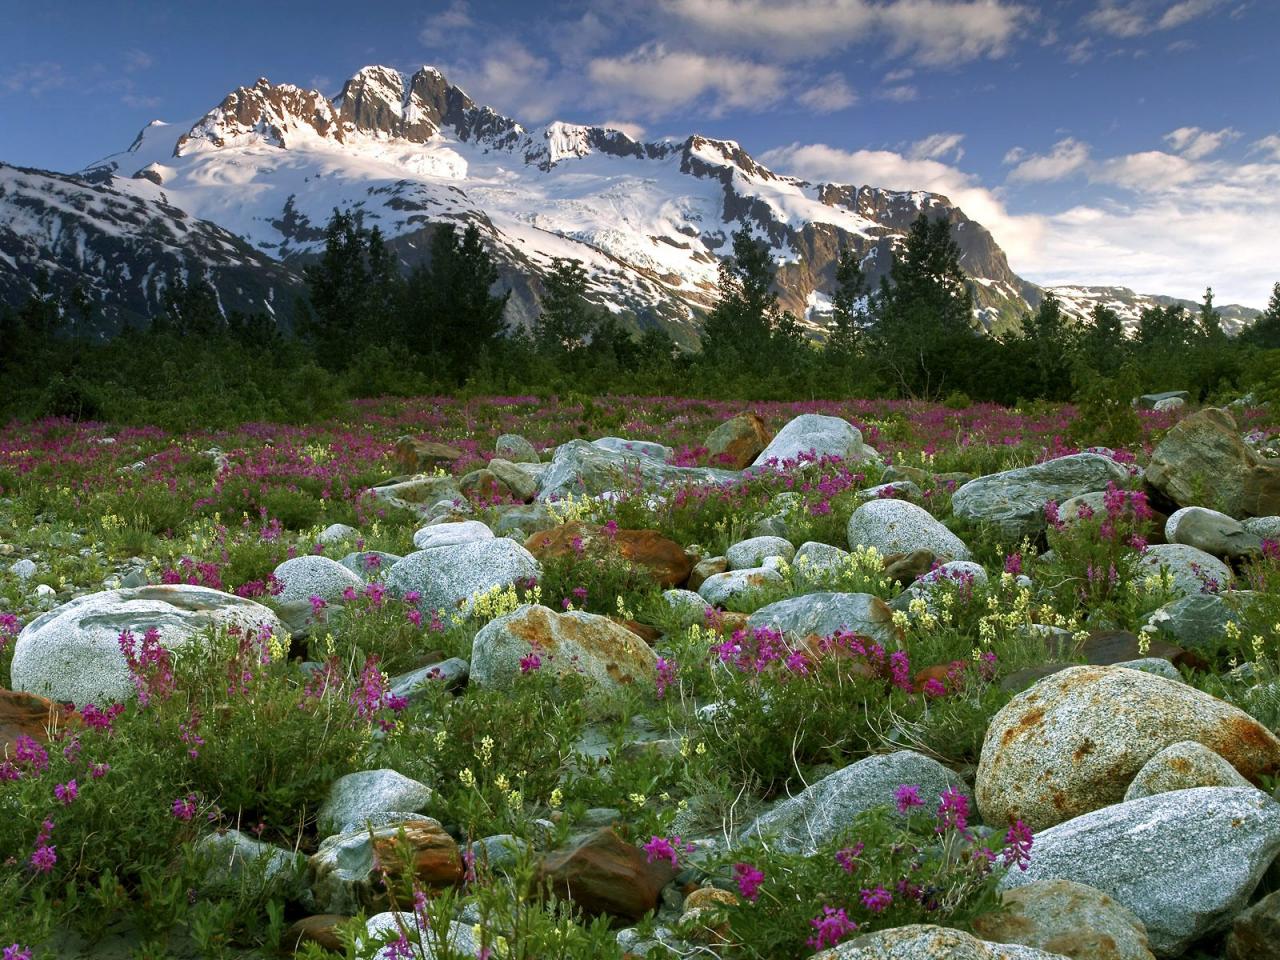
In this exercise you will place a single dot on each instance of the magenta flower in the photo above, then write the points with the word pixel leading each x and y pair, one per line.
pixel 16 951
pixel 906 797
pixel 877 899
pixel 184 808
pixel 848 857
pixel 934 688
pixel 99 770
pixel 830 928
pixel 318 604
pixel 29 752
pixel 666 848
pixel 45 855
pixel 530 662
pixel 749 880
pixel 666 675
pixel 66 793
pixel 1018 840
pixel 953 810
pixel 398 949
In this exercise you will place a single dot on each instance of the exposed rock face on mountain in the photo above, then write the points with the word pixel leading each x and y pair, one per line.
pixel 123 250
pixel 1128 306
pixel 651 221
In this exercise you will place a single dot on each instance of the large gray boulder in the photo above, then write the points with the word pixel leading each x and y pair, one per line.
pixel 813 433
pixel 581 468
pixel 1212 532
pixel 523 479
pixel 1188 570
pixel 606 654
pixel 448 578
pixel 746 554
pixel 315 576
pixel 1266 528
pixel 72 653
pixel 1199 621
pixel 896 526
pixel 237 862
pixel 1075 740
pixel 1185 862
pixel 722 589
pixel 822 614
pixel 922 941
pixel 1203 460
pixel 515 449
pixel 825 809
pixel 362 797
pixel 1013 501
pixel 639 448
pixel 1067 916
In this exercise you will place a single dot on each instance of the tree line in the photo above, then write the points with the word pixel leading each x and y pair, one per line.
pixel 367 328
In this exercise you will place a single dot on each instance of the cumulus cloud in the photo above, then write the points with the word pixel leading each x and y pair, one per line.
pixel 632 130
pixel 830 94
pixel 1268 146
pixel 1067 158
pixel 1196 144
pixel 443 27
pixel 902 93
pixel 938 146
pixel 653 79
pixel 1146 172
pixel 513 79
pixel 933 32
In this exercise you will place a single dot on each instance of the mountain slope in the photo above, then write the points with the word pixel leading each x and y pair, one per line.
pixel 122 249
pixel 650 221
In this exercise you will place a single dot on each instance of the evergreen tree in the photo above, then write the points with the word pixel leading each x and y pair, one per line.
pixel 1210 321
pixel 746 331
pixel 339 287
pixel 1265 331
pixel 921 333
pixel 1047 341
pixel 567 318
pixel 1101 345
pixel 848 310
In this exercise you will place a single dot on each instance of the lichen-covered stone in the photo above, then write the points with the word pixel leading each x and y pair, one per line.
pixel 1180 766
pixel 1062 916
pixel 447 578
pixel 1075 740
pixel 1189 571
pixel 315 576
pixel 450 534
pixel 748 554
pixel 357 796
pixel 897 526
pixel 821 436
pixel 921 941
pixel 822 614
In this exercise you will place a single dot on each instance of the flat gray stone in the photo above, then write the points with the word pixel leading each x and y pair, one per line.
pixel 1211 531
pixel 640 448
pixel 1013 501
pixel 450 534
pixel 358 796
pixel 1185 862
pixel 825 809
pixel 580 469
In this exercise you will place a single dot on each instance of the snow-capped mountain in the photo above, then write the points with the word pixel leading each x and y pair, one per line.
pixel 246 190
pixel 1128 306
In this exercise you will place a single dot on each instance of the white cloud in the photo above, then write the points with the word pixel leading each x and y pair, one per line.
pixel 653 79
pixel 512 79
pixel 632 130
pixel 1068 157
pixel 1185 12
pixel 1196 144
pixel 1080 52
pixel 34 79
pixel 1186 224
pixel 933 32
pixel 135 60
pixel 1135 17
pixel 442 28
pixel 903 93
pixel 1268 145
pixel 897 76
pixel 938 146
pixel 831 93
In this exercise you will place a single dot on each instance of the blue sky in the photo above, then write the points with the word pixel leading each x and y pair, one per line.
pixel 1102 141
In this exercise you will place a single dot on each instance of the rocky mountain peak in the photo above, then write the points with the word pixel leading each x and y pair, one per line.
pixel 275 114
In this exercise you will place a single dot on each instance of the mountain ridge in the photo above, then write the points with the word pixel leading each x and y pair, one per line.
pixel 650 220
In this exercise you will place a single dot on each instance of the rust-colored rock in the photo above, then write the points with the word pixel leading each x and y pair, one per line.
pixel 705 914
pixel 415 456
pixel 433 854
pixel 1068 918
pixel 604 875
pixel 906 567
pixel 664 559
pixel 735 444
pixel 704 568
pixel 1072 743
pixel 26 713
pixel 650 635
pixel 321 929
